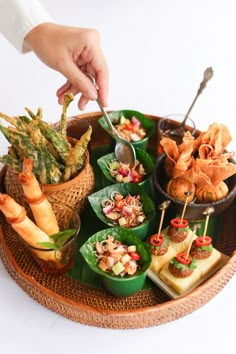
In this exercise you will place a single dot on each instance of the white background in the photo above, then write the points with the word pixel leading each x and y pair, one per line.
pixel 157 51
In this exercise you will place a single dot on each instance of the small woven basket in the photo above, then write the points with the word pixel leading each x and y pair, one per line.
pixel 74 193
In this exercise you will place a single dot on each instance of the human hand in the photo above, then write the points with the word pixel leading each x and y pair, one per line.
pixel 72 52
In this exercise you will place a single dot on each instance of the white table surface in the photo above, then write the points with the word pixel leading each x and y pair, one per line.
pixel 157 52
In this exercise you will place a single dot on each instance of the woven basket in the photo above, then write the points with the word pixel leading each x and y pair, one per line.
pixel 74 193
pixel 91 306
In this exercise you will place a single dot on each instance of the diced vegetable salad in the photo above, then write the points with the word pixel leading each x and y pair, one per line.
pixel 123 173
pixel 123 210
pixel 116 258
pixel 130 129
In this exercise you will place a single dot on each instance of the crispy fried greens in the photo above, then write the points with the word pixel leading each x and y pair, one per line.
pixel 54 158
pixel 202 161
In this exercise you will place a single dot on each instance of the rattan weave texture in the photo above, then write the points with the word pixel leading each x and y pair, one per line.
pixel 91 306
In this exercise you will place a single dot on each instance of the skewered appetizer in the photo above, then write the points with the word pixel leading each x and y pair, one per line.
pixel 202 249
pixel 184 271
pixel 161 251
pixel 205 254
pixel 181 273
pixel 178 230
pixel 159 244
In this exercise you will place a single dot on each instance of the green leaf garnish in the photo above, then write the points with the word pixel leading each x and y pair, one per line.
pixel 206 248
pixel 193 264
pixel 48 245
pixel 60 239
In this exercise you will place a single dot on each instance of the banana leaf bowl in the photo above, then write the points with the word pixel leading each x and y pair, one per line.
pixel 142 156
pixel 124 189
pixel 146 123
pixel 117 285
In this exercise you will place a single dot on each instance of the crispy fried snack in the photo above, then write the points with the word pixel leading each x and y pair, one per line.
pixel 47 147
pixel 202 161
pixel 40 206
pixel 16 216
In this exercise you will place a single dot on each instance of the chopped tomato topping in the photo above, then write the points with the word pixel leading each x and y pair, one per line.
pixel 137 179
pixel 181 258
pixel 129 126
pixel 157 240
pixel 180 225
pixel 203 241
pixel 120 203
pixel 135 255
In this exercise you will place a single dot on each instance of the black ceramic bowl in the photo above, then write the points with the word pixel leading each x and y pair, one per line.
pixel 194 211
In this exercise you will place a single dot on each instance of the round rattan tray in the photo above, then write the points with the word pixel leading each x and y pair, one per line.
pixel 93 306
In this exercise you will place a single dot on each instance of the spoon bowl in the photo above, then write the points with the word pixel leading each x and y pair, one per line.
pixel 124 151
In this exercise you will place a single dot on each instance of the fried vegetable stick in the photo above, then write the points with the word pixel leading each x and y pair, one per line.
pixel 40 206
pixel 16 216
pixel 68 98
pixel 75 160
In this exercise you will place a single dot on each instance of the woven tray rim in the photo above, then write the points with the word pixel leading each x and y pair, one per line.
pixel 122 319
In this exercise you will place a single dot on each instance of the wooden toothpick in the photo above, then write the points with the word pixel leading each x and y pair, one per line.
pixel 163 206
pixel 208 211
pixel 188 194
pixel 195 227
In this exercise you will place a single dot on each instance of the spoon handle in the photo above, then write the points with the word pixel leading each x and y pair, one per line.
pixel 107 118
pixel 208 73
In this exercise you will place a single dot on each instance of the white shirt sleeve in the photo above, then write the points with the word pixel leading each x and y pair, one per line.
pixel 18 17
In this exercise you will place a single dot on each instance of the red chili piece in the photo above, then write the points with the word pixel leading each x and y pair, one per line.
pixel 201 242
pixel 129 126
pixel 135 256
pixel 180 225
pixel 120 203
pixel 181 258
pixel 157 240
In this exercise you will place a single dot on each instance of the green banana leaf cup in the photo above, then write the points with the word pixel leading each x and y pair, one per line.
pixel 141 155
pixel 116 117
pixel 124 189
pixel 117 285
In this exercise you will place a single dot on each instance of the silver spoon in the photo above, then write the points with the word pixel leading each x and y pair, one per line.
pixel 179 132
pixel 124 151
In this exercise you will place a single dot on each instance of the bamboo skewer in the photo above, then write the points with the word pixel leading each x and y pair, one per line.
pixel 208 212
pixel 188 194
pixel 163 206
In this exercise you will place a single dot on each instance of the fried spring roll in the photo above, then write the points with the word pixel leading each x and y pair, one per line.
pixel 40 206
pixel 16 216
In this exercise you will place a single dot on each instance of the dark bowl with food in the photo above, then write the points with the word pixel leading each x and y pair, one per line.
pixel 194 210
pixel 132 126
